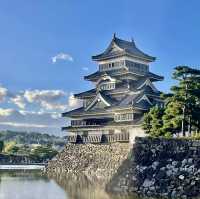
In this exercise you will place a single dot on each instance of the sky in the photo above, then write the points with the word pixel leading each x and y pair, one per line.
pixel 46 48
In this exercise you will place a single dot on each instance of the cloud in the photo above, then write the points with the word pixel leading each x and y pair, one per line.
pixel 46 95
pixel 48 99
pixel 62 56
pixel 19 101
pixel 30 120
pixel 5 112
pixel 37 110
pixel 85 68
pixel 3 93
pixel 73 102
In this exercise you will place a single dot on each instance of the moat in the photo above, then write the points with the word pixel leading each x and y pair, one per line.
pixel 34 185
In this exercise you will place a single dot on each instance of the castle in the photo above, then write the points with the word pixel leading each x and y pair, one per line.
pixel 123 92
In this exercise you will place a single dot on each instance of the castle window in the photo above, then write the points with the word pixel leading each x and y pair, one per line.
pixel 108 86
pixel 112 65
pixel 124 117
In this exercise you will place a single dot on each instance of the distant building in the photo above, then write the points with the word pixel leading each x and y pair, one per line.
pixel 123 92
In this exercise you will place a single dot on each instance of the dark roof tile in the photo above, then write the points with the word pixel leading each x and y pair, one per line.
pixel 127 47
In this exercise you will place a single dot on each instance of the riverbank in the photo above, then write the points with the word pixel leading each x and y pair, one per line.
pixel 11 159
pixel 21 167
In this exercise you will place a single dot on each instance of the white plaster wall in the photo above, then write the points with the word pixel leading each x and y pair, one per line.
pixel 134 132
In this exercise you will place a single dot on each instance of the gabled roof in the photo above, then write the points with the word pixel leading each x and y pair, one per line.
pixel 119 47
pixel 144 105
pixel 86 93
pixel 106 100
pixel 147 83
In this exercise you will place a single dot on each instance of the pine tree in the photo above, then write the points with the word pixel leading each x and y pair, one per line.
pixel 153 122
pixel 182 106
pixel 187 95
pixel 172 117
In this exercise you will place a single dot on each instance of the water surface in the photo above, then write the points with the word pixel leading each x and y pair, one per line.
pixel 34 185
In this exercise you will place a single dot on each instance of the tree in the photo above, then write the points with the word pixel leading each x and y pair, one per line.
pixel 153 121
pixel 186 93
pixel 9 147
pixel 1 146
pixel 172 117
pixel 42 153
pixel 182 106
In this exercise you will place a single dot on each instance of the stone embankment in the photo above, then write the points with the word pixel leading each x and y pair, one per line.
pixel 167 167
pixel 152 167
pixel 101 160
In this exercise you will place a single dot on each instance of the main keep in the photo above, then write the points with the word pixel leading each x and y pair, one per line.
pixel 123 92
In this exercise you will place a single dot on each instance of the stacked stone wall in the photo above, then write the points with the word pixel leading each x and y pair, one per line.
pixel 152 167
pixel 101 160
pixel 167 167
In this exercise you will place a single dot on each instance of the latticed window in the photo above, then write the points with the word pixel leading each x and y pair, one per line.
pixel 108 86
pixel 78 123
pixel 111 65
pixel 136 67
pixel 124 117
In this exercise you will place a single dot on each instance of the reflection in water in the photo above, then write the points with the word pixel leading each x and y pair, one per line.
pixel 80 187
pixel 28 185
pixel 33 185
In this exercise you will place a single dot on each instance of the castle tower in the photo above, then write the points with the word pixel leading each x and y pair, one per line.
pixel 123 92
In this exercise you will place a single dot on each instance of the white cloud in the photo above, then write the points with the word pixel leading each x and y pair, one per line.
pixel 46 95
pixel 85 68
pixel 5 112
pixel 48 99
pixel 37 110
pixel 73 102
pixel 3 93
pixel 62 56
pixel 14 124
pixel 19 101
pixel 32 121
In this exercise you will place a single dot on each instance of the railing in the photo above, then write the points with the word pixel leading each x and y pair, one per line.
pixel 99 138
pixel 80 123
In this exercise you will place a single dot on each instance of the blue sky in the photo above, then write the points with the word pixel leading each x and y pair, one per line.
pixel 33 32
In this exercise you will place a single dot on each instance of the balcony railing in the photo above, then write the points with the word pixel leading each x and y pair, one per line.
pixel 80 123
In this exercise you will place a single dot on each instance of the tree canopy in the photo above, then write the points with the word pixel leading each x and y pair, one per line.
pixel 1 146
pixel 182 107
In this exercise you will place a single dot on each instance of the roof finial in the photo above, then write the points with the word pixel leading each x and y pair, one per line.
pixel 132 40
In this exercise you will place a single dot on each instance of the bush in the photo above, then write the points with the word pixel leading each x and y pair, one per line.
pixel 42 153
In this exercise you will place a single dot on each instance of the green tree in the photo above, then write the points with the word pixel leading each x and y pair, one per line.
pixel 172 117
pixel 42 153
pixel 153 121
pixel 9 146
pixel 182 106
pixel 1 146
pixel 186 93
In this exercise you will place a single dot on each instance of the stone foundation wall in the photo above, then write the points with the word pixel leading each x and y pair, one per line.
pixel 101 160
pixel 167 167
pixel 153 167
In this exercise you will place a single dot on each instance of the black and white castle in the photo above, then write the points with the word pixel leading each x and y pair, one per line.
pixel 123 92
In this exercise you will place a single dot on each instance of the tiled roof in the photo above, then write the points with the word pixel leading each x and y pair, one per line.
pixel 73 112
pixel 95 76
pixel 126 47
pixel 86 93
pixel 155 77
